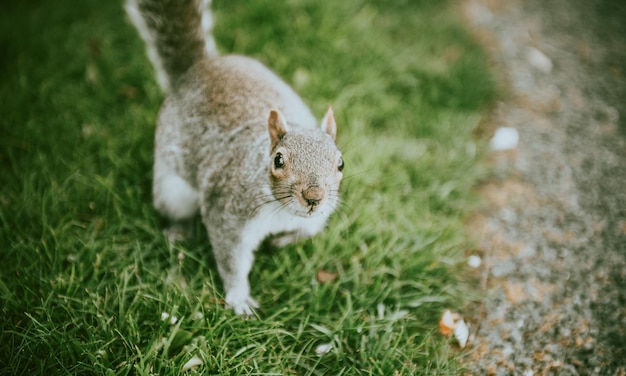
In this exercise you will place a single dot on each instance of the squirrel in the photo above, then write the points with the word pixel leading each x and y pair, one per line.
pixel 233 143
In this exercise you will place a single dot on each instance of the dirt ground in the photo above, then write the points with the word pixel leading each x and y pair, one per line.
pixel 552 234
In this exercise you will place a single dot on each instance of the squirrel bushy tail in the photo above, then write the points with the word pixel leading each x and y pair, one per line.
pixel 177 34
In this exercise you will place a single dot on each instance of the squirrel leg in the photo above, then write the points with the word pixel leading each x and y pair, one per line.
pixel 234 268
pixel 178 231
pixel 177 201
pixel 234 261
pixel 283 239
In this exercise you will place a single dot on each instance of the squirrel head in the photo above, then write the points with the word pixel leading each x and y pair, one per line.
pixel 306 167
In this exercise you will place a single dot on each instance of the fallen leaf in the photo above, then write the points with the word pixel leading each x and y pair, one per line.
pixel 192 363
pixel 446 323
pixel 461 333
pixel 323 349
pixel 452 323
pixel 324 276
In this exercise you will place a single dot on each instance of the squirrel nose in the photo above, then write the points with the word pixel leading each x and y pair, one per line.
pixel 313 195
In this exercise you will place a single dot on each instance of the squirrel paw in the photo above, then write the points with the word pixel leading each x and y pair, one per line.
pixel 177 232
pixel 242 305
pixel 284 239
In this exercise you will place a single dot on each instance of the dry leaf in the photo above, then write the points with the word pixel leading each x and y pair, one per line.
pixel 452 323
pixel 323 349
pixel 192 363
pixel 446 323
pixel 461 333
pixel 324 276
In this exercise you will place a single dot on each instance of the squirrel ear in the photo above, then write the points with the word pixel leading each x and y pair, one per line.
pixel 277 127
pixel 328 123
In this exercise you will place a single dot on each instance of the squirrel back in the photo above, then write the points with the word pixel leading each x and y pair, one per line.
pixel 235 143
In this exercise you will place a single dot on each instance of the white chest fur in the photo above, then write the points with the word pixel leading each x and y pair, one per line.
pixel 273 219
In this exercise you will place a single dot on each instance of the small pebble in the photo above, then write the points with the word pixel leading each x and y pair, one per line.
pixel 474 261
pixel 505 138
pixel 539 60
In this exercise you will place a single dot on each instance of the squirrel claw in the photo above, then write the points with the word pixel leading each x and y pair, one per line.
pixel 242 307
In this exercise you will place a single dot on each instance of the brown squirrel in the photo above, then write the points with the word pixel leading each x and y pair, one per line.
pixel 234 143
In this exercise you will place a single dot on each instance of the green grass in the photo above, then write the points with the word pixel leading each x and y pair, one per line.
pixel 85 272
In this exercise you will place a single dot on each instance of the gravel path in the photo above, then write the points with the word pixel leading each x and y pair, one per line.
pixel 553 232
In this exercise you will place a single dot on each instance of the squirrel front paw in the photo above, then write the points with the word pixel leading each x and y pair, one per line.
pixel 284 239
pixel 242 304
pixel 177 232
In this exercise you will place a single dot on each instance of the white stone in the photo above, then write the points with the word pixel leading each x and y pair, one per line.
pixel 538 60
pixel 474 261
pixel 505 138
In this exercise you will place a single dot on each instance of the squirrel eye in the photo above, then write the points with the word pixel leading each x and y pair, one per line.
pixel 340 164
pixel 279 161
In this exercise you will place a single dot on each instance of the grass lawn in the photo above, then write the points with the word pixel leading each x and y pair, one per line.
pixel 88 284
